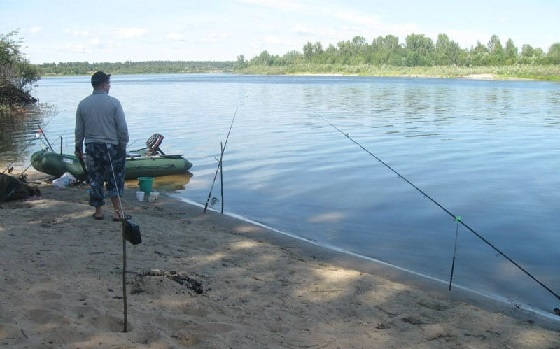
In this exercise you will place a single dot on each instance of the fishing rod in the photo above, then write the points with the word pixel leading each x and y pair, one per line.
pixel 222 150
pixel 44 135
pixel 456 218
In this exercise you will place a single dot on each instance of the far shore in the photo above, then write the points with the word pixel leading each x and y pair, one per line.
pixel 473 76
pixel 213 281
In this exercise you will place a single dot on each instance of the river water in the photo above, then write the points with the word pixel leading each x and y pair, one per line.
pixel 486 150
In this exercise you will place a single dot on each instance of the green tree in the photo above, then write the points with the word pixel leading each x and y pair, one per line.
pixel 420 50
pixel 264 58
pixel 17 75
pixel 510 52
pixel 386 50
pixel 292 57
pixel 308 50
pixel 538 53
pixel 496 50
pixel 553 54
pixel 527 54
pixel 330 54
pixel 312 50
pixel 240 62
pixel 447 51
pixel 527 51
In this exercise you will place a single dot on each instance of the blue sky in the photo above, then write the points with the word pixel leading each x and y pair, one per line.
pixel 111 31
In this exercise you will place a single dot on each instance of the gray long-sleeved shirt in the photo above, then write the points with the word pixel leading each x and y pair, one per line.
pixel 100 118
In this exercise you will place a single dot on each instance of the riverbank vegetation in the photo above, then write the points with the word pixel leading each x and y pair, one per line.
pixel 17 75
pixel 536 72
pixel 418 55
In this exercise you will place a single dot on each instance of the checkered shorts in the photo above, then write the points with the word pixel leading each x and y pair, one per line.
pixel 99 157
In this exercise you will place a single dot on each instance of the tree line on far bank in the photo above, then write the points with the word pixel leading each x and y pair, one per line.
pixel 358 55
pixel 86 68
pixel 416 50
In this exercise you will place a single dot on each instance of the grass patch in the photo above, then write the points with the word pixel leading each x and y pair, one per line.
pixel 536 72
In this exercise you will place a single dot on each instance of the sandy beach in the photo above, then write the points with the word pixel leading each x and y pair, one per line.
pixel 211 281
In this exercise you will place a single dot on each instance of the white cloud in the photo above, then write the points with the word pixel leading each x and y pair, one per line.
pixel 370 25
pixel 354 17
pixel 277 40
pixel 78 33
pixel 275 4
pixel 217 37
pixel 347 23
pixel 175 36
pixel 35 30
pixel 129 33
pixel 95 41
pixel 77 48
pixel 303 30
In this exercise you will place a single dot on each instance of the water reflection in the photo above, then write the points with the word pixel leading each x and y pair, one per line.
pixel 165 183
pixel 17 133
pixel 328 217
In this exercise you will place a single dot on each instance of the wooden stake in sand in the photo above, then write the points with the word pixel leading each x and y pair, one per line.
pixel 125 310
pixel 122 217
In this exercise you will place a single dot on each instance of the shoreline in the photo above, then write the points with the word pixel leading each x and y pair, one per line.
pixel 491 302
pixel 61 287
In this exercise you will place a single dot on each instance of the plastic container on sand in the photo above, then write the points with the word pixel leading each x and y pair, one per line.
pixel 153 196
pixel 65 180
pixel 146 184
pixel 140 195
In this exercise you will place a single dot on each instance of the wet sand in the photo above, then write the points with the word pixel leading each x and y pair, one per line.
pixel 211 281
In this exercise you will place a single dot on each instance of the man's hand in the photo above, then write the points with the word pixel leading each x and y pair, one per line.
pixel 122 148
pixel 79 154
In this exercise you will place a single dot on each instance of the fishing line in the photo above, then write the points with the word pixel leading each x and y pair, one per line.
pixel 222 150
pixel 457 218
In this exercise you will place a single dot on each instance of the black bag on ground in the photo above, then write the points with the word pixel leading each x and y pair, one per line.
pixel 132 232
pixel 12 188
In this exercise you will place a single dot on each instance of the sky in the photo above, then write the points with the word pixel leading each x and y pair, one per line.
pixel 118 31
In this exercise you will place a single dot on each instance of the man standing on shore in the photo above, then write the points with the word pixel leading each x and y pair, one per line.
pixel 101 123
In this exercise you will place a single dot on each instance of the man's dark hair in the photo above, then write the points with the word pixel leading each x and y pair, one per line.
pixel 99 78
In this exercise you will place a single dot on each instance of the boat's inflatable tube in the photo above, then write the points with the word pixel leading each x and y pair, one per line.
pixel 138 166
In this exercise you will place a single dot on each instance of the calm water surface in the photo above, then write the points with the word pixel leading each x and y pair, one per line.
pixel 487 150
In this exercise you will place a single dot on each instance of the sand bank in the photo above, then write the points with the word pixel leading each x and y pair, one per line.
pixel 60 287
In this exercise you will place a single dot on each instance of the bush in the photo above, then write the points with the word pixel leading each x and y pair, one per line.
pixel 17 75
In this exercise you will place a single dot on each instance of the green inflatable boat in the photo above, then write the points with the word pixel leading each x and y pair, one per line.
pixel 137 165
